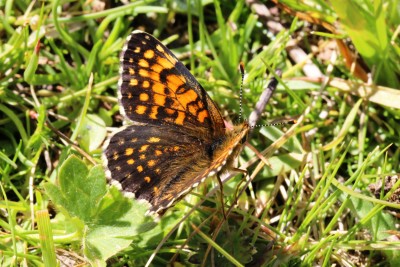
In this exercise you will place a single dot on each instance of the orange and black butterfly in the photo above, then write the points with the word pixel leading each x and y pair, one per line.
pixel 176 136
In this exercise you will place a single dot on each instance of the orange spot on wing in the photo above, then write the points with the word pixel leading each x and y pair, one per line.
pixel 157 68
pixel 169 57
pixel 133 82
pixel 193 110
pixel 153 140
pixel 144 73
pixel 175 81
pixel 147 179
pixel 137 50
pixel 139 168
pixel 155 76
pixel 151 163
pixel 148 53
pixel 159 48
pixel 187 97
pixel 158 88
pixel 154 112
pixel 202 115
pixel 146 84
pixel 143 148
pixel 156 190
pixel 143 63
pixel 140 109
pixel 130 161
pixel 181 117
pixel 128 151
pixel 165 63
pixel 200 104
pixel 131 71
pixel 159 100
pixel 158 152
pixel 143 97
pixel 169 111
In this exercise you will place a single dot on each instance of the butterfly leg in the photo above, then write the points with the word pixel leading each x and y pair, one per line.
pixel 237 193
pixel 221 190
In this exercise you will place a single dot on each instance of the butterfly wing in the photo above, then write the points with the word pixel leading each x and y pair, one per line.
pixel 156 88
pixel 155 164
pixel 180 138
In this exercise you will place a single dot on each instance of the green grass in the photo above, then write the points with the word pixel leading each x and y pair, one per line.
pixel 313 206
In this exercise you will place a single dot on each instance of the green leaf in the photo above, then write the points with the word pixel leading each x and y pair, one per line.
pixel 361 25
pixel 282 163
pixel 80 190
pixel 92 133
pixel 33 64
pixel 111 221
pixel 120 220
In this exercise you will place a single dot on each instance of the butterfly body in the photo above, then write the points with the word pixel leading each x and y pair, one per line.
pixel 176 136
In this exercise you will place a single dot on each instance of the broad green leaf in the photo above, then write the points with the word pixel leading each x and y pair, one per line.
pixel 119 221
pixel 362 26
pixel 110 221
pixel 92 133
pixel 282 164
pixel 80 190
pixel 273 133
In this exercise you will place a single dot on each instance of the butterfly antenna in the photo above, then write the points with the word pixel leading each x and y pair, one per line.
pixel 241 66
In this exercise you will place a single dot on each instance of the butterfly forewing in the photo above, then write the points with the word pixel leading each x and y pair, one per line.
pixel 156 88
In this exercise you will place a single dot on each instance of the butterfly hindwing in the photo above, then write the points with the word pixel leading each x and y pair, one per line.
pixel 153 164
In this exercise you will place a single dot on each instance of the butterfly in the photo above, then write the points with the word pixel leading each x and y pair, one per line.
pixel 175 136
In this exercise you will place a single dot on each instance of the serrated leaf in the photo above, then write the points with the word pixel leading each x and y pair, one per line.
pixel 118 222
pixel 111 221
pixel 80 190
